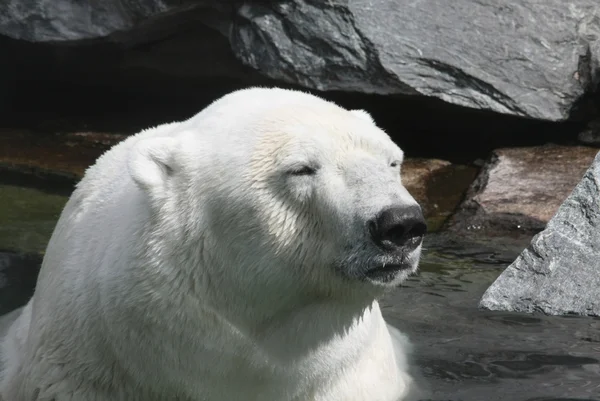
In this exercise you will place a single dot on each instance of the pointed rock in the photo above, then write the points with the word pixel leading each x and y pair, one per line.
pixel 559 273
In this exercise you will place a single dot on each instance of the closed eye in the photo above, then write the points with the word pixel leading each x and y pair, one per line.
pixel 395 163
pixel 303 170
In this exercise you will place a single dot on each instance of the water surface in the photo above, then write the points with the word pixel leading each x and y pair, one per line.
pixel 462 353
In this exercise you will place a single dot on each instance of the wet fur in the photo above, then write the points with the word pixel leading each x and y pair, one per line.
pixel 187 266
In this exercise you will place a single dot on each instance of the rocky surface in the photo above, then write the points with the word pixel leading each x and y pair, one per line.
pixel 517 58
pixel 520 189
pixel 38 20
pixel 416 177
pixel 59 155
pixel 559 273
pixel 437 185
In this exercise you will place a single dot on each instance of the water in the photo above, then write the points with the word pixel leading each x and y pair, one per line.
pixel 461 353
pixel 27 217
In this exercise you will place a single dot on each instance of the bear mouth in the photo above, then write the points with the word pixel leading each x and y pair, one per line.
pixel 387 272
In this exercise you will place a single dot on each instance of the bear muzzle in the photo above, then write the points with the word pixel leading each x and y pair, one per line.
pixel 398 228
pixel 397 231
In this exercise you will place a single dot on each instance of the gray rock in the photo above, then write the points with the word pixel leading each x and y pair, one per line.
pixel 528 57
pixel 68 20
pixel 559 273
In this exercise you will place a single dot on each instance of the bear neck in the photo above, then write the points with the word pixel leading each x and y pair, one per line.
pixel 265 313
pixel 316 321
pixel 268 307
pixel 316 325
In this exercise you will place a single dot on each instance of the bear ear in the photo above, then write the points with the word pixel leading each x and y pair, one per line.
pixel 364 115
pixel 151 162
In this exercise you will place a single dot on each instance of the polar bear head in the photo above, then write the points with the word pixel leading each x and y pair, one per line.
pixel 279 192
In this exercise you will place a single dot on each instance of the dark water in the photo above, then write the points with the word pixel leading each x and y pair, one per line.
pixel 461 353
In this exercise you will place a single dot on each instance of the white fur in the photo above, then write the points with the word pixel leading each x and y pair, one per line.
pixel 190 265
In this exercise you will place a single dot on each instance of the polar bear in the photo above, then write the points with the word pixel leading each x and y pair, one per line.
pixel 235 256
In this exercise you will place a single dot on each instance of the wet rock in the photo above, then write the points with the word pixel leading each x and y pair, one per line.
pixel 416 174
pixel 60 155
pixel 437 185
pixel 559 273
pixel 520 189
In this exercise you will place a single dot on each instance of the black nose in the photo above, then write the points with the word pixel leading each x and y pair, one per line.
pixel 398 227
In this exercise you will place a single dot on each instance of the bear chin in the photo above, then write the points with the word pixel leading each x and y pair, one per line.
pixel 384 270
pixel 389 273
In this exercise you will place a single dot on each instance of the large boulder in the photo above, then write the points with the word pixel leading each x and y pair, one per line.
pixel 516 58
pixel 559 273
pixel 513 57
